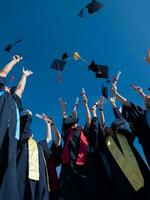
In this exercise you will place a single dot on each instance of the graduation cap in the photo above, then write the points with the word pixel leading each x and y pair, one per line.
pixel 147 58
pixel 10 46
pixel 91 8
pixel 105 91
pixel 59 64
pixel 101 71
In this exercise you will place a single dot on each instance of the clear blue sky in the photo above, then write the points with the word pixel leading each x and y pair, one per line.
pixel 118 36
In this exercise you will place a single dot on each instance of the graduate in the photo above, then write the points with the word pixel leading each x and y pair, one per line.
pixel 53 157
pixel 33 181
pixel 138 117
pixel 130 175
pixel 10 106
pixel 81 176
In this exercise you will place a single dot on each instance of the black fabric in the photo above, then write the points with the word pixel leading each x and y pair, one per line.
pixel 137 117
pixel 8 147
pixel 25 127
pixel 88 181
pixel 121 188
pixel 30 189
pixel 2 83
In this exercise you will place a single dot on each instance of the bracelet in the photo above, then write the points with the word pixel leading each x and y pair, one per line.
pixel 101 109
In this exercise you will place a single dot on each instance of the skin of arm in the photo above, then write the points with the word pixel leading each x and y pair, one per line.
pixel 87 110
pixel 51 126
pixel 48 128
pixel 102 117
pixel 118 96
pixel 7 68
pixel 139 90
pixel 22 82
pixel 93 110
pixel 63 108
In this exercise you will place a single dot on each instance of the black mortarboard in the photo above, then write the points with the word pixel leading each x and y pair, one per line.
pixel 65 56
pixel 10 46
pixel 101 71
pixel 105 91
pixel 149 89
pixel 92 7
pixel 58 64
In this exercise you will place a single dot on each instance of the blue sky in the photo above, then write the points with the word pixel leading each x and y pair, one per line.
pixel 118 36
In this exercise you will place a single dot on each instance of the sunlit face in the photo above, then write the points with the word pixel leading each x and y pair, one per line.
pixel 147 102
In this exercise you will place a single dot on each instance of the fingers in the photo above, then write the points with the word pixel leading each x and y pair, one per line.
pixel 17 58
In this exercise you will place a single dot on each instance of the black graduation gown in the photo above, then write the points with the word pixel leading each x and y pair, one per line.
pixel 137 117
pixel 121 188
pixel 82 182
pixel 30 189
pixel 53 160
pixel 8 144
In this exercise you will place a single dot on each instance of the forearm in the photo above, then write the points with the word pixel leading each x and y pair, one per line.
pixel 7 68
pixel 57 135
pixel 88 114
pixel 48 133
pixel 21 85
pixel 102 118
pixel 121 99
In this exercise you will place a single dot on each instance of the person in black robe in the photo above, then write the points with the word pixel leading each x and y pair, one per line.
pixel 138 117
pixel 81 176
pixel 121 187
pixel 31 189
pixel 53 157
pixel 10 106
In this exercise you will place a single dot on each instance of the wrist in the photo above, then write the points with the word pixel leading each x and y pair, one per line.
pixel 52 124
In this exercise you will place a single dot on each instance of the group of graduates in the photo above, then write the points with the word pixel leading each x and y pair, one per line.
pixel 97 162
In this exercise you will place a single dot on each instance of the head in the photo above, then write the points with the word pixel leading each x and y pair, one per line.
pixel 109 131
pixel 28 112
pixel 147 101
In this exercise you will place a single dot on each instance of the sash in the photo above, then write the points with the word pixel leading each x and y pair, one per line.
pixel 33 173
pixel 126 161
pixel 47 176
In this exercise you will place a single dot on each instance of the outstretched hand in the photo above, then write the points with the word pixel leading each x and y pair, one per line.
pixel 101 101
pixel 26 72
pixel 62 104
pixel 17 58
pixel 112 101
pixel 85 99
pixel 46 119
pixel 137 88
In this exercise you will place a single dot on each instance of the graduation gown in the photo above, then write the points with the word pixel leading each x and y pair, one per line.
pixel 10 104
pixel 84 181
pixel 30 189
pixel 138 118
pixel 121 187
pixel 53 160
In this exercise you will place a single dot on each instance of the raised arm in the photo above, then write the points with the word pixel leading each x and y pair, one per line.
pixel 118 96
pixel 63 108
pixel 139 90
pixel 48 127
pixel 54 130
pixel 87 110
pixel 22 82
pixel 102 117
pixel 6 69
